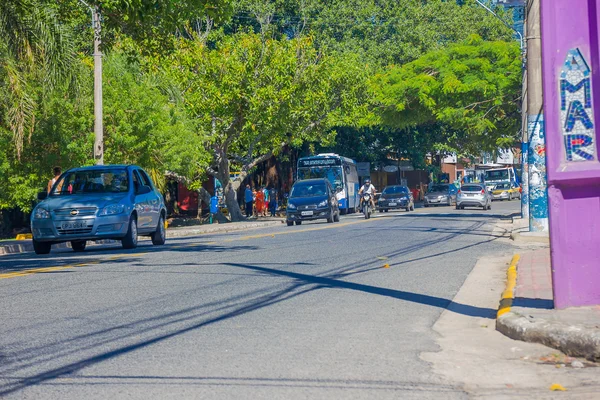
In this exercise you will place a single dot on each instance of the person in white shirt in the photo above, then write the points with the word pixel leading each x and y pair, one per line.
pixel 368 188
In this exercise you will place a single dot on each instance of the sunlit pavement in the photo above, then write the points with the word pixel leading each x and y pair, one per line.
pixel 320 310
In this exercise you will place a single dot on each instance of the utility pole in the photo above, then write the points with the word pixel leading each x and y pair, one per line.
pixel 524 144
pixel 98 126
pixel 536 154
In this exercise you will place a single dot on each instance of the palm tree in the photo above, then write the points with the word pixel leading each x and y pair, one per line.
pixel 34 48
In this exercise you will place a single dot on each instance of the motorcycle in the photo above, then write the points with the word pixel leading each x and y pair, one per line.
pixel 365 204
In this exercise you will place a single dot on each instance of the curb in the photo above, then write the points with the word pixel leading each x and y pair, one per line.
pixel 529 237
pixel 511 281
pixel 27 246
pixel 574 341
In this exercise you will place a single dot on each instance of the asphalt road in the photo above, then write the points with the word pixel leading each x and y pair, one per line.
pixel 295 312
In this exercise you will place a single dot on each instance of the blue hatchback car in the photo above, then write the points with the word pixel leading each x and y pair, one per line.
pixel 100 202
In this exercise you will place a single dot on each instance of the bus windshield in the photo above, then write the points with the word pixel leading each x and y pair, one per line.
pixel 332 174
pixel 497 175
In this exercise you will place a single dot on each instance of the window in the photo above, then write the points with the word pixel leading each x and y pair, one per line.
pixel 317 189
pixel 92 181
pixel 472 188
pixel 395 190
pixel 144 178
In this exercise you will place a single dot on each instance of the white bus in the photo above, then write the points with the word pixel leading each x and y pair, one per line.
pixel 340 171
pixel 500 175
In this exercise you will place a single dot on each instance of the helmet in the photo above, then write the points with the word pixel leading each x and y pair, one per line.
pixel 367 181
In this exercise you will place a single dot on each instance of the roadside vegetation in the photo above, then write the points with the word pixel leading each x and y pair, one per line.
pixel 201 88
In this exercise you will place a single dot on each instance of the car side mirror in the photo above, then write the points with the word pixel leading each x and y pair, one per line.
pixel 144 190
pixel 42 195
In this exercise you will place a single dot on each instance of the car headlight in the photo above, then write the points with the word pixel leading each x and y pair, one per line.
pixel 504 193
pixel 291 206
pixel 41 213
pixel 112 209
pixel 323 203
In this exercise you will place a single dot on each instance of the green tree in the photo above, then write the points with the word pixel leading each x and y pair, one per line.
pixel 143 126
pixel 380 32
pixel 35 49
pixel 255 95
pixel 472 89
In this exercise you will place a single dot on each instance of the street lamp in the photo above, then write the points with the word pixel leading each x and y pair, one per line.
pixel 98 128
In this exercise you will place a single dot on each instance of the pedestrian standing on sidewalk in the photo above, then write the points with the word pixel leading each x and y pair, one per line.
pixel 266 193
pixel 260 202
pixel 249 199
pixel 273 201
pixel 57 171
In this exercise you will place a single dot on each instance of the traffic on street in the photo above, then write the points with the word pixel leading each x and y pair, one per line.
pixel 322 310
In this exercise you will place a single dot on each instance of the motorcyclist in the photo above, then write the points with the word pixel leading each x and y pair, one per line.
pixel 368 188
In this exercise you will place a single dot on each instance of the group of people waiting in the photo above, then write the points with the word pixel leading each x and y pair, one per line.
pixel 260 201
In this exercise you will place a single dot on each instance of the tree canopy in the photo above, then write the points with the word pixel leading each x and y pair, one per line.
pixel 472 87
pixel 254 95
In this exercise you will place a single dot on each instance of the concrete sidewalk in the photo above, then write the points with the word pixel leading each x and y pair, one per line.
pixel 22 246
pixel 530 316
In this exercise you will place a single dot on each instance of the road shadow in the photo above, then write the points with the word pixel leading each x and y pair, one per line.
pixel 543 304
pixel 102 255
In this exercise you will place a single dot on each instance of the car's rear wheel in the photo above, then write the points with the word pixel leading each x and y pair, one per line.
pixel 41 247
pixel 130 240
pixel 78 245
pixel 290 223
pixel 425 205
pixel 159 237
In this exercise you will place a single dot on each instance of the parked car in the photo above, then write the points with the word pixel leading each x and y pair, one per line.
pixel 395 197
pixel 473 195
pixel 312 199
pixel 505 191
pixel 100 202
pixel 440 194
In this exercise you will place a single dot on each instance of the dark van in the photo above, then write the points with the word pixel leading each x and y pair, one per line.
pixel 312 199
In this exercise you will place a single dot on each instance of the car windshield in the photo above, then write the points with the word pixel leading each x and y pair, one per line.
pixel 394 190
pixel 304 190
pixel 471 188
pixel 92 181
pixel 439 188
pixel 503 186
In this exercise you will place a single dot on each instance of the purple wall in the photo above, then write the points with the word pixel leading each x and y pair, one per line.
pixel 571 68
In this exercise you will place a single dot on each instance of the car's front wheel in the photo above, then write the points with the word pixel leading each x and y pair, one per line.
pixel 131 238
pixel 41 247
pixel 298 222
pixel 159 237
pixel 78 245
pixel 290 223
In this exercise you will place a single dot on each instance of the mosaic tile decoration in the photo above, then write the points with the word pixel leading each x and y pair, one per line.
pixel 576 111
